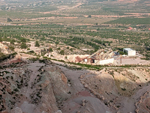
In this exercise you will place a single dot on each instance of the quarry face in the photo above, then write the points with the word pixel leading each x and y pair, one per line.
pixel 46 87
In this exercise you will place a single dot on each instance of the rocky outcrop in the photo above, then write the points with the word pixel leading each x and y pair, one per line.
pixel 64 78
pixel 48 100
pixel 33 88
pixel 143 105
pixel 16 110
pixel 59 83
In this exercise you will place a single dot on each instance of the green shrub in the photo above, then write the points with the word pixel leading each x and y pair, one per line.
pixel 62 52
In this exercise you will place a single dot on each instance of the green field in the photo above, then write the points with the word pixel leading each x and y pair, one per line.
pixel 76 25
pixel 132 21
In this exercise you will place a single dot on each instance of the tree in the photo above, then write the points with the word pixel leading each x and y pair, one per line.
pixel 62 52
pixel 50 50
pixel 56 42
pixel 89 16
pixel 1 40
pixel 11 48
pixel 9 20
pixel 70 36
pixel 23 46
pixel 37 44
pixel 71 49
pixel 12 41
pixel 23 40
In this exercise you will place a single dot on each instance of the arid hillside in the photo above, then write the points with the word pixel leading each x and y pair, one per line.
pixel 32 88
pixel 121 89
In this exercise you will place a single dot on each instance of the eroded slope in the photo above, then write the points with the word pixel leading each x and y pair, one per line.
pixel 120 88
pixel 32 88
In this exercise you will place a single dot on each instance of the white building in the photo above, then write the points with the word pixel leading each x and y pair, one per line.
pixel 130 51
pixel 101 57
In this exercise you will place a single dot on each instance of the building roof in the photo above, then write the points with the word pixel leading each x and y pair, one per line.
pixel 128 49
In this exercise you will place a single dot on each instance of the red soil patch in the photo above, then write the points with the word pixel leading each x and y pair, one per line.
pixel 14 61
pixel 84 93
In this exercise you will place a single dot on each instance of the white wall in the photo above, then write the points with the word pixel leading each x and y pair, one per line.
pixel 131 53
pixel 85 60
pixel 103 62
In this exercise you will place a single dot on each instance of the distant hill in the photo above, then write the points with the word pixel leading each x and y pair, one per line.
pixel 139 1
